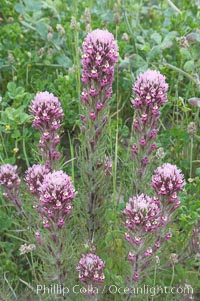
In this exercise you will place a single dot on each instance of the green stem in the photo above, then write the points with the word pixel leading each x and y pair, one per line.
pixel 182 72
pixel 72 157
pixel 116 141
pixel 128 26
pixel 2 141
pixel 154 279
pixel 77 63
pixel 172 279
pixel 31 265
pixel 77 59
pixel 25 154
pixel 48 65
pixel 27 74
pixel 191 155
pixel 174 7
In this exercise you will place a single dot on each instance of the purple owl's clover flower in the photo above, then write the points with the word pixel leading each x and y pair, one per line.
pixel 90 268
pixel 8 176
pixel 150 92
pixel 56 195
pixel 100 53
pixel 48 113
pixel 142 213
pixel 167 181
pixel 143 219
pixel 10 182
pixel 34 177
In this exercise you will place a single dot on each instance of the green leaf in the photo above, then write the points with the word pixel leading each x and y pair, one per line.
pixel 154 53
pixel 11 86
pixel 24 117
pixel 63 60
pixel 14 116
pixel 33 5
pixel 185 53
pixel 16 134
pixel 10 113
pixel 14 91
pixel 197 171
pixel 156 37
pixel 137 61
pixel 41 29
pixel 108 17
pixel 20 8
pixel 124 64
pixel 140 39
pixel 189 66
pixel 169 40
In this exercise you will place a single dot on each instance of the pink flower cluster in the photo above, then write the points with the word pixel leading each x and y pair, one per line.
pixel 56 195
pixel 34 177
pixel 47 111
pixel 48 114
pixel 167 181
pixel 150 92
pixel 146 217
pixel 8 176
pixel 142 214
pixel 100 53
pixel 90 269
pixel 10 181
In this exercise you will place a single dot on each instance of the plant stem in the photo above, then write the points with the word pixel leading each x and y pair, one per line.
pixel 72 156
pixel 9 285
pixel 154 279
pixel 116 141
pixel 33 268
pixel 174 7
pixel 191 155
pixel 128 26
pixel 182 72
pixel 27 74
pixel 77 59
pixel 172 279
pixel 2 141
pixel 49 65
pixel 25 154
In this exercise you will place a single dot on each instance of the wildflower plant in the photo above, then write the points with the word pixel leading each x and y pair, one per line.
pixel 48 113
pixel 150 94
pixel 91 272
pixel 147 217
pixel 52 189
pixel 99 56
pixel 167 181
pixel 56 195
